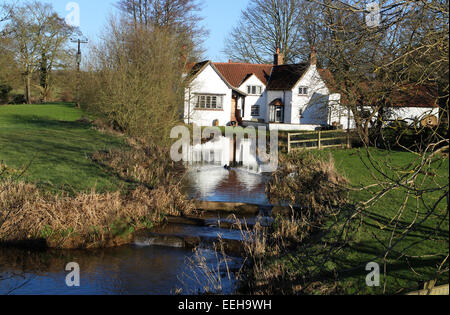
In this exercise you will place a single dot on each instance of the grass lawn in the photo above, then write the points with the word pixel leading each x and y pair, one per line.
pixel 56 147
pixel 402 272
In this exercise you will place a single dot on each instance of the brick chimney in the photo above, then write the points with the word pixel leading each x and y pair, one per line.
pixel 313 57
pixel 278 58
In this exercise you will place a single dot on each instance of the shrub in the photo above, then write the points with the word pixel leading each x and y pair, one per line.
pixel 307 181
pixel 18 99
pixel 4 93
pixel 137 87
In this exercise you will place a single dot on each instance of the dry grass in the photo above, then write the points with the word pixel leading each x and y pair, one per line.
pixel 313 185
pixel 83 221
pixel 146 165
pixel 96 220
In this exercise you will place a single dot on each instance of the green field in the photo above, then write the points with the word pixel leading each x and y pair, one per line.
pixel 54 148
pixel 404 273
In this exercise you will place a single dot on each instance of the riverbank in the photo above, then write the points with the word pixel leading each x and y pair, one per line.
pixel 68 185
pixel 325 250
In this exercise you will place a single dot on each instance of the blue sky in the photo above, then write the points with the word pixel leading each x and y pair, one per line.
pixel 220 16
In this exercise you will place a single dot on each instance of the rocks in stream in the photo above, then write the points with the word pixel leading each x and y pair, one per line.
pixel 207 227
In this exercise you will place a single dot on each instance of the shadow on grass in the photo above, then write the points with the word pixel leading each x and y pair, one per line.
pixel 60 152
pixel 44 122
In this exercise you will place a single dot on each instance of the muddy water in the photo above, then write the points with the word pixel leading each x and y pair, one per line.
pixel 149 266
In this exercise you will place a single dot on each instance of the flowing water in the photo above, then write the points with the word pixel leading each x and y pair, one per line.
pixel 154 264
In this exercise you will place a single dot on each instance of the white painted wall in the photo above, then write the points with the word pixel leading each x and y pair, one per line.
pixel 315 104
pixel 339 114
pixel 411 114
pixel 251 100
pixel 207 82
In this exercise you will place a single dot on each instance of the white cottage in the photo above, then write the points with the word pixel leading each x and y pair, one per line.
pixel 282 96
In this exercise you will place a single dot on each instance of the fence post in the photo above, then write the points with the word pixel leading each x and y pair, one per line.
pixel 320 139
pixel 289 143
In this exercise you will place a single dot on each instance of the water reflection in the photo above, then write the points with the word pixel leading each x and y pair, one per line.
pixel 224 151
pixel 127 270
pixel 215 183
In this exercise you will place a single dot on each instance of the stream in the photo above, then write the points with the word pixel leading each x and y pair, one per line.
pixel 159 262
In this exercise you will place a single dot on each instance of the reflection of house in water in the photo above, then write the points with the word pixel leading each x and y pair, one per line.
pixel 223 151
pixel 215 183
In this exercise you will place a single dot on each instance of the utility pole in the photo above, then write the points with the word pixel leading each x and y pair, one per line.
pixel 80 39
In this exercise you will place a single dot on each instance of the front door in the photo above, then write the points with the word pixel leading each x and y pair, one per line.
pixel 279 116
pixel 276 114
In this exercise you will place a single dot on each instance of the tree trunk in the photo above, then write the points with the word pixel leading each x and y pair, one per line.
pixel 44 78
pixel 28 87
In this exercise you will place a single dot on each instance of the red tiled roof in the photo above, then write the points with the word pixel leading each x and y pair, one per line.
pixel 406 95
pixel 237 73
pixel 411 95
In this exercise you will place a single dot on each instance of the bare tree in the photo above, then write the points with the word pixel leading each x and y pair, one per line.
pixel 407 52
pixel 373 64
pixel 135 81
pixel 180 16
pixel 266 25
pixel 405 199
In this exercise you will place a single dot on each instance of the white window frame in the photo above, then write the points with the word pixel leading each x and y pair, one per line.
pixel 256 110
pixel 254 89
pixel 303 90
pixel 208 102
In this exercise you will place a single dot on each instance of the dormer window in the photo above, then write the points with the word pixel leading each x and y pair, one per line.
pixel 254 89
pixel 303 90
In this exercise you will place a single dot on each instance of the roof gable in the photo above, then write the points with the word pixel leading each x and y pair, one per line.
pixel 251 75
pixel 196 69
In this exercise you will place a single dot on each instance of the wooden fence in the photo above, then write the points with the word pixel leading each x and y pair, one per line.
pixel 430 289
pixel 319 140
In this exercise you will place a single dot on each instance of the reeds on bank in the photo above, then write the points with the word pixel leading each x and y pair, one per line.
pixel 87 220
